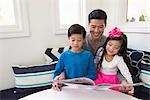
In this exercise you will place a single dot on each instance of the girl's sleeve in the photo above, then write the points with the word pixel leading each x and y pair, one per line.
pixel 98 56
pixel 59 66
pixel 124 70
pixel 91 68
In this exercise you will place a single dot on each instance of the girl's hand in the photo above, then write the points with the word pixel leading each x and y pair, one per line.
pixel 126 88
pixel 131 94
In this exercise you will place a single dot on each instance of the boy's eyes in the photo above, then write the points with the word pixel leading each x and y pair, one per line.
pixel 76 40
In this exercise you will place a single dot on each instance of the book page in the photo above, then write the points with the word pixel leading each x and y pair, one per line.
pixel 118 85
pixel 84 81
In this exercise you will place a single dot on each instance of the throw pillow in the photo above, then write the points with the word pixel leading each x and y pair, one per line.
pixel 31 78
pixel 145 77
pixel 52 54
pixel 145 73
pixel 144 66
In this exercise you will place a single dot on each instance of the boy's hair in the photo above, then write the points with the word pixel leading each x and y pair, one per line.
pixel 76 29
pixel 98 14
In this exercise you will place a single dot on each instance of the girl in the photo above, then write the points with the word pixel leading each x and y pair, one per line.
pixel 75 62
pixel 112 57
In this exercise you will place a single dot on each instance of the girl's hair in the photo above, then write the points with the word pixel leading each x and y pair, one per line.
pixel 122 52
pixel 76 29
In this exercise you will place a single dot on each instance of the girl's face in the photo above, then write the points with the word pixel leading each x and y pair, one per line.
pixel 76 42
pixel 113 47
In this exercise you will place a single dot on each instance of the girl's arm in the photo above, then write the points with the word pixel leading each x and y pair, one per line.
pixel 125 72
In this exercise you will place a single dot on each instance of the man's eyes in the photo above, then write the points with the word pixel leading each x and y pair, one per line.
pixel 100 27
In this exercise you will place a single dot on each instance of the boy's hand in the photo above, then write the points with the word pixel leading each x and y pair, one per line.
pixel 60 77
pixel 56 86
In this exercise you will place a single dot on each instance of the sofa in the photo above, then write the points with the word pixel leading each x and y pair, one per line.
pixel 34 78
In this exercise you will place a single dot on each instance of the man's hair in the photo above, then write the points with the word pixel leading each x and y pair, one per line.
pixel 76 29
pixel 98 14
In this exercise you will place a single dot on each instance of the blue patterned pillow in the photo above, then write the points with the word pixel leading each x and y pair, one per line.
pixel 136 56
pixel 28 78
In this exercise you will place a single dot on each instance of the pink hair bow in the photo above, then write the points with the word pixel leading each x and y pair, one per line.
pixel 115 33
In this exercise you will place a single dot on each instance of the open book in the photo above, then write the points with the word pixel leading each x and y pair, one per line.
pixel 88 83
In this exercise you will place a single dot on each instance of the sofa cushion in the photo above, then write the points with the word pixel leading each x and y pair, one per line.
pixel 52 54
pixel 28 78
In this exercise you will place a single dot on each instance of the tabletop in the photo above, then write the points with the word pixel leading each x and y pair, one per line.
pixel 78 94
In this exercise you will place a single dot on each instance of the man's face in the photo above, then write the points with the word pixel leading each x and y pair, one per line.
pixel 96 28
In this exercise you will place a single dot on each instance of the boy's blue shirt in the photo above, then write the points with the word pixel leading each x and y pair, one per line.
pixel 76 65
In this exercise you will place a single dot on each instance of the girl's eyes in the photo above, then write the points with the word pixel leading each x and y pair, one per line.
pixel 110 44
pixel 116 47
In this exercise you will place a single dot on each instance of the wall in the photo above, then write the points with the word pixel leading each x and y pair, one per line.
pixel 30 50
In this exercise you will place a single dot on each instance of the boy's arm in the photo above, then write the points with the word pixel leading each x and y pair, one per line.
pixel 92 69
pixel 59 67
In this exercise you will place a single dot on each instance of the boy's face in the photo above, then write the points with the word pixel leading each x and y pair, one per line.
pixel 96 28
pixel 113 47
pixel 76 42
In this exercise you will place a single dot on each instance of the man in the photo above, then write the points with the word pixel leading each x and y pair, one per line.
pixel 96 24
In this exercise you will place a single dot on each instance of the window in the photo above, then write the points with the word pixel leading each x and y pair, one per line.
pixel 138 11
pixel 13 18
pixel 68 12
pixel 7 13
pixel 134 16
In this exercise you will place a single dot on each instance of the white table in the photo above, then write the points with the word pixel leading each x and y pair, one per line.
pixel 78 94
